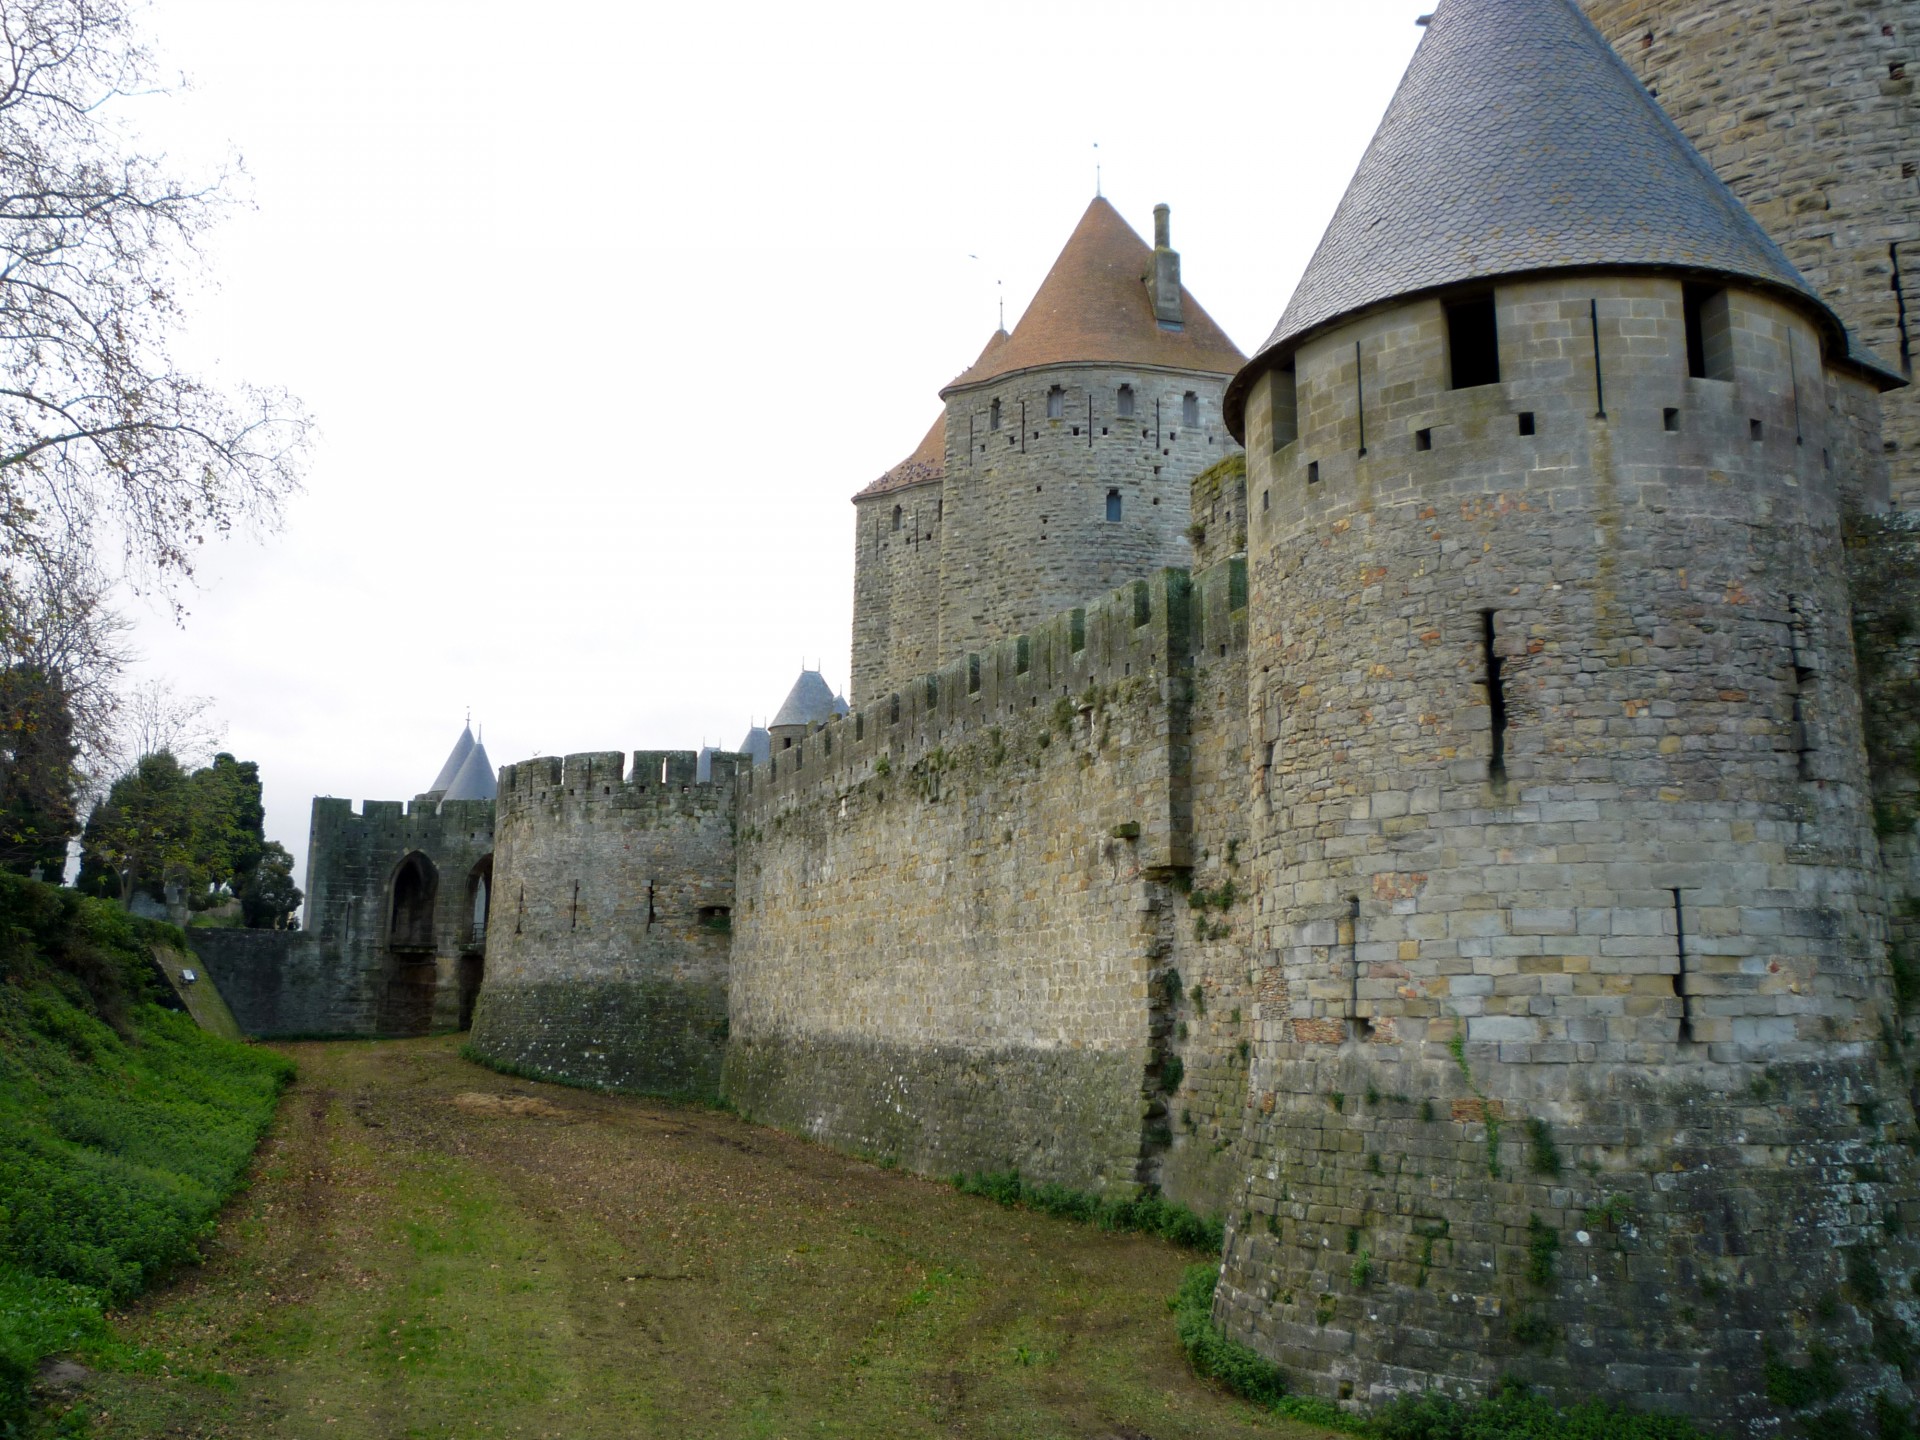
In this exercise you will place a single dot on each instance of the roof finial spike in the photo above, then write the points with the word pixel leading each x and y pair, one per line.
pixel 1000 287
pixel 1096 172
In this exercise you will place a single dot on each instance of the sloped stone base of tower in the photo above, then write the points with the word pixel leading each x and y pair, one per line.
pixel 1679 1240
pixel 1068 1116
pixel 646 1037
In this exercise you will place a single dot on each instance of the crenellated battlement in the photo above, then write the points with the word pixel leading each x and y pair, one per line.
pixel 1154 630
pixel 655 778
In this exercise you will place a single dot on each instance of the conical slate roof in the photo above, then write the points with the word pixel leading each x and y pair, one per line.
pixel 1095 307
pixel 475 780
pixel 810 702
pixel 458 757
pixel 928 462
pixel 1519 141
pixel 758 745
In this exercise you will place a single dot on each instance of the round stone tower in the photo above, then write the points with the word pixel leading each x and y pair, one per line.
pixel 1809 114
pixel 1071 443
pixel 1570 1055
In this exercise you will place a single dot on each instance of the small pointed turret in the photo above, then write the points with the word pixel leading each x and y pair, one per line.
pixel 455 759
pixel 475 780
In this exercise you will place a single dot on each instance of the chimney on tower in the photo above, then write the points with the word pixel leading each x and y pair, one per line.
pixel 1166 272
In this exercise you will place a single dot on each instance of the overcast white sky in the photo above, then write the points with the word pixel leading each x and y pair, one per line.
pixel 604 311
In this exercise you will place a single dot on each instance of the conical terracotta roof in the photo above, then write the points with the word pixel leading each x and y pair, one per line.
pixel 1095 307
pixel 927 462
pixel 455 759
pixel 1519 141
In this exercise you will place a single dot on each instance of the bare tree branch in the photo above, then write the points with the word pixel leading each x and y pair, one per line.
pixel 104 443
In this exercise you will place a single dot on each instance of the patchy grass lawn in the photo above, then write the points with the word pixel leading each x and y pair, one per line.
pixel 429 1250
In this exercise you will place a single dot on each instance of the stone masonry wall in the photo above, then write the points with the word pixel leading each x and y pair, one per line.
pixel 340 975
pixel 1808 112
pixel 957 904
pixel 607 951
pixel 1571 1054
pixel 1211 997
pixel 1026 535
pixel 896 588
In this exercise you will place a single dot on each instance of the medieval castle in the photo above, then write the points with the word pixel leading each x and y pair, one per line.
pixel 1465 837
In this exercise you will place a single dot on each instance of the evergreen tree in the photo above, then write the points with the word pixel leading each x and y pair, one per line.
pixel 38 781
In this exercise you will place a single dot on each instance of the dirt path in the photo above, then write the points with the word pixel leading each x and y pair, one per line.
pixel 432 1250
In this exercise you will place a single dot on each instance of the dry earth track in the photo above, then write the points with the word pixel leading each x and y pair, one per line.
pixel 431 1250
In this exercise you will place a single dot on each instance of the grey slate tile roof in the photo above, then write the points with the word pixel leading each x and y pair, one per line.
pixel 455 759
pixel 758 744
pixel 810 702
pixel 1519 141
pixel 476 779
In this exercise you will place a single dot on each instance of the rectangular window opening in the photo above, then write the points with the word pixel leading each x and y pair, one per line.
pixel 1756 432
pixel 1670 420
pixel 1496 701
pixel 1313 472
pixel 1526 422
pixel 1473 344
pixel 1423 439
pixel 1284 401
pixel 1265 500
pixel 1709 321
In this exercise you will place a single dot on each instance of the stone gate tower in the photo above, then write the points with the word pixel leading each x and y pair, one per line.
pixel 1568 1056
pixel 1808 113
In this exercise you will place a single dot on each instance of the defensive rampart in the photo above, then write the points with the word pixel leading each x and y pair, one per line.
pixel 961 920
pixel 607 951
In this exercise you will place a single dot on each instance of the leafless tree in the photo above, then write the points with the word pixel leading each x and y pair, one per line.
pixel 154 718
pixel 105 444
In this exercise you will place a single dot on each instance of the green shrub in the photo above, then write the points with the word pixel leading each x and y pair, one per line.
pixel 1210 1353
pixel 1147 1213
pixel 123 1126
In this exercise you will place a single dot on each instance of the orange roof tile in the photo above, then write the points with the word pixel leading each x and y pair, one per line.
pixel 927 462
pixel 1094 307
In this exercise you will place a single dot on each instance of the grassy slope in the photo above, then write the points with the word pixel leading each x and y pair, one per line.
pixel 122 1126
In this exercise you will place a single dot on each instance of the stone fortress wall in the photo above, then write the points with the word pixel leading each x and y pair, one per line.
pixel 607 954
pixel 1571 996
pixel 967 922
pixel 352 970
pixel 1808 113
